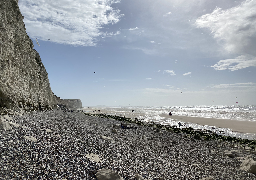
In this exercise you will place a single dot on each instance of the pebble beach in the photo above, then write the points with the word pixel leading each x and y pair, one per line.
pixel 61 144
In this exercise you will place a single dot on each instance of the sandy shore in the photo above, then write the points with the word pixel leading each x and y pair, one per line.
pixel 236 126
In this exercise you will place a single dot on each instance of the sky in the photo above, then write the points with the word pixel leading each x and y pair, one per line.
pixel 146 52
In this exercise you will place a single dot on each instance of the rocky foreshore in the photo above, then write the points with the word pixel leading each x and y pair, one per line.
pixel 61 144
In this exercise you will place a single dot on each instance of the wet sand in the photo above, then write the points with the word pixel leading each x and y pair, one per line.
pixel 236 126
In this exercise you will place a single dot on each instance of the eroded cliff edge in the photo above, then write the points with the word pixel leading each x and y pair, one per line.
pixel 24 81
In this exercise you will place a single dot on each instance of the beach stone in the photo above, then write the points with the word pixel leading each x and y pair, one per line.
pixel 4 124
pixel 145 138
pixel 116 126
pixel 14 124
pixel 106 174
pixel 93 157
pixel 232 154
pixel 139 177
pixel 107 138
pixel 248 165
pixel 58 136
pixel 48 130
pixel 247 148
pixel 30 138
pixel 208 178
pixel 20 113
pixel 229 154
pixel 8 118
pixel 114 131
pixel 195 165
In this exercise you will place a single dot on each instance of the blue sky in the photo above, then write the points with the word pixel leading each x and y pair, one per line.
pixel 146 52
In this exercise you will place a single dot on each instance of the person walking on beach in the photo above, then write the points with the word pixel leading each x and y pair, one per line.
pixel 170 114
pixel 180 124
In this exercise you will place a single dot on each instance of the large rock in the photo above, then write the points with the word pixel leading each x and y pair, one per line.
pixel 23 78
pixel 106 174
pixel 248 165
pixel 4 124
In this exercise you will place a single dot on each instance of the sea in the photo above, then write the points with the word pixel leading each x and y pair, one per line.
pixel 154 114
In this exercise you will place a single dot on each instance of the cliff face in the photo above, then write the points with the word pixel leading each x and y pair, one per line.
pixel 24 81
pixel 23 78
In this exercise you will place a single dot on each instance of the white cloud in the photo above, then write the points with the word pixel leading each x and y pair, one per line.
pixel 148 51
pixel 117 80
pixel 235 85
pixel 148 78
pixel 144 50
pixel 237 63
pixel 132 29
pixel 106 34
pixel 235 28
pixel 167 14
pixel 171 72
pixel 76 22
pixel 188 73
pixel 159 90
pixel 152 42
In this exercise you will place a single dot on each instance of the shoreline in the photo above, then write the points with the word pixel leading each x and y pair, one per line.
pixel 244 127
